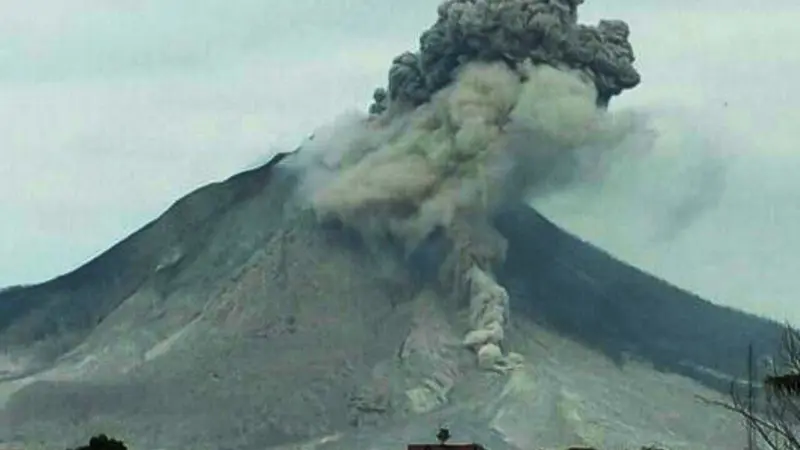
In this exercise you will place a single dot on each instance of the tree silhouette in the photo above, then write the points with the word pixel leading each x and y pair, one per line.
pixel 443 435
pixel 771 409
pixel 103 442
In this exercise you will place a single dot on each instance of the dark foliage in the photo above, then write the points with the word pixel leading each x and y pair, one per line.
pixel 103 442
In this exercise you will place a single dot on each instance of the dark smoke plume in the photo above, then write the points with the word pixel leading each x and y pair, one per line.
pixel 512 31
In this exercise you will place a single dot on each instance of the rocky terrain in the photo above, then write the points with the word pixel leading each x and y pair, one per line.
pixel 236 321
pixel 389 278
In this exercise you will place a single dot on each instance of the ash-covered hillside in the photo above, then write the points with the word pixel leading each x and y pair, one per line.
pixel 388 277
pixel 258 327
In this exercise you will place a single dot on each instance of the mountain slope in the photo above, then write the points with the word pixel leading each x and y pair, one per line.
pixel 74 303
pixel 583 292
pixel 236 320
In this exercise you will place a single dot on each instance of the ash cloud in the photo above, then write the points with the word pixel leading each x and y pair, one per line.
pixel 499 96
pixel 512 31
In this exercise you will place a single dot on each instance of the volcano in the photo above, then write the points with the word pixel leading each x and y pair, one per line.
pixel 389 279
pixel 235 320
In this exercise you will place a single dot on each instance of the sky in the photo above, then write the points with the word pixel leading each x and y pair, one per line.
pixel 111 110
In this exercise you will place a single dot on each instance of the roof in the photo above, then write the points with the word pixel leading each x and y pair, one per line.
pixel 464 446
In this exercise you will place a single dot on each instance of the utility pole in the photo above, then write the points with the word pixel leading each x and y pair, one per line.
pixel 751 434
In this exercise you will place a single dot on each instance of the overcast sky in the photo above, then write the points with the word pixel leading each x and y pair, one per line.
pixel 110 110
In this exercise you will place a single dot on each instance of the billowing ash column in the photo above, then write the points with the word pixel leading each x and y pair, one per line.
pixel 512 31
pixel 497 94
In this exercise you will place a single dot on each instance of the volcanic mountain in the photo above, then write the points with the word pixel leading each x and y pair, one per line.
pixel 235 320
pixel 389 278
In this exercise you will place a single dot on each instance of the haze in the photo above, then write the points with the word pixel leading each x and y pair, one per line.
pixel 112 110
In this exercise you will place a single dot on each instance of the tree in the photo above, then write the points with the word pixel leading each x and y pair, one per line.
pixel 103 442
pixel 771 408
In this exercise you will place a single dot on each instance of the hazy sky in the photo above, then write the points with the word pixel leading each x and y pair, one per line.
pixel 110 110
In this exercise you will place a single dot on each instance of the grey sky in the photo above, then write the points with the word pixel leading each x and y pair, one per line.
pixel 717 83
pixel 110 110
